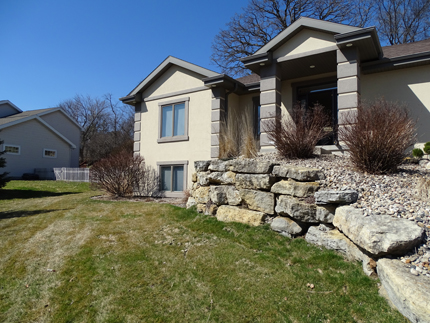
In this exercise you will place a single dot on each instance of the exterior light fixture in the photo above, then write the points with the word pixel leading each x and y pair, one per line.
pixel 312 66
pixel 262 64
pixel 349 45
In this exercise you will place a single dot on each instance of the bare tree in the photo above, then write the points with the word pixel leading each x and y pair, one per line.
pixel 107 125
pixel 262 20
pixel 403 21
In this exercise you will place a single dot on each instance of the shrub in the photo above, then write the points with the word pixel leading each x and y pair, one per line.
pixel 427 148
pixel 296 137
pixel 417 152
pixel 119 174
pixel 378 136
pixel 3 176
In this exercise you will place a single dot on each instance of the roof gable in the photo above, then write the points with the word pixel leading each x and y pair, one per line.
pixel 164 66
pixel 300 24
pixel 7 108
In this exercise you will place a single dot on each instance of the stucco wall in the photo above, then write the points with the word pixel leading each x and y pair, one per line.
pixel 68 129
pixel 410 86
pixel 198 146
pixel 174 79
pixel 33 137
pixel 304 41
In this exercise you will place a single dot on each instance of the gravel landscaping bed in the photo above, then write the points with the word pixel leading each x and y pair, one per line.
pixel 393 194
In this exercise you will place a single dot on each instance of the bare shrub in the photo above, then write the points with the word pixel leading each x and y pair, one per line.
pixel 118 174
pixel 378 136
pixel 237 136
pixel 296 137
pixel 149 184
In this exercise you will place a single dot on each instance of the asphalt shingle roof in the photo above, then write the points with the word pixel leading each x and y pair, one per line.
pixel 406 49
pixel 22 115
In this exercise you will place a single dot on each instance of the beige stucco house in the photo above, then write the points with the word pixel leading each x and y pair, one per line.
pixel 38 139
pixel 179 105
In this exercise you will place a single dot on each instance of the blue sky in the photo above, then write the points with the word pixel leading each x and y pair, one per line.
pixel 52 50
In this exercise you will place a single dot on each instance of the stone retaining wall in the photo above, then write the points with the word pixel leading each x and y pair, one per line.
pixel 290 199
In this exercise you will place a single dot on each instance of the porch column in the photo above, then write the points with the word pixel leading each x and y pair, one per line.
pixel 270 102
pixel 348 82
pixel 218 103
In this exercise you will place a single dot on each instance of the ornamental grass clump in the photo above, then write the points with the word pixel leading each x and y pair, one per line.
pixel 378 136
pixel 296 136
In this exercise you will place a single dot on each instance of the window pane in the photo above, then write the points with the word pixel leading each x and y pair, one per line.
pixel 50 153
pixel 166 123
pixel 166 176
pixel 178 178
pixel 179 128
pixel 11 149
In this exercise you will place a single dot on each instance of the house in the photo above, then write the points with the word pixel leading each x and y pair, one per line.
pixel 179 105
pixel 38 140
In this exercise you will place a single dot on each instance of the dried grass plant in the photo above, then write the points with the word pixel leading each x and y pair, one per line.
pixel 297 136
pixel 378 136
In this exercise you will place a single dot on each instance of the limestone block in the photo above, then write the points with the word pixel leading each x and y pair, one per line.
pixel 218 165
pixel 201 165
pixel 286 225
pixel 334 240
pixel 222 177
pixel 379 234
pixel 250 166
pixel 218 195
pixel 203 178
pixel 227 213
pixel 201 195
pixel 338 197
pixel 296 209
pixel 325 213
pixel 409 293
pixel 302 174
pixel 258 200
pixel 191 202
pixel 233 196
pixel 194 177
pixel 293 188
pixel 256 182
pixel 201 208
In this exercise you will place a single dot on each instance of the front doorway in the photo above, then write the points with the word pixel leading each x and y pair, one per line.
pixel 326 96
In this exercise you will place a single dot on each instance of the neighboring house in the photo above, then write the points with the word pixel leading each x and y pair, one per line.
pixel 38 139
pixel 179 105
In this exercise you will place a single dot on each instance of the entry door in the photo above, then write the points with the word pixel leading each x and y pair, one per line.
pixel 326 96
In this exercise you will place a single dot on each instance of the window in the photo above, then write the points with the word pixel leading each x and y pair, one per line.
pixel 256 117
pixel 173 124
pixel 12 149
pixel 173 178
pixel 49 153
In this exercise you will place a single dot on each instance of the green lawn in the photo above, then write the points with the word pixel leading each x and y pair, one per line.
pixel 67 258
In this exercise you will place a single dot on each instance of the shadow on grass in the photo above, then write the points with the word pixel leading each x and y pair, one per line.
pixel 23 214
pixel 28 194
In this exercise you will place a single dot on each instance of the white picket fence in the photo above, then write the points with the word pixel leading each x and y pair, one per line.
pixel 72 174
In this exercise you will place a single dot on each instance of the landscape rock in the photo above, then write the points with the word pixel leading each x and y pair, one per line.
pixel 201 208
pixel 191 202
pixel 218 165
pixel 258 200
pixel 293 188
pixel 222 177
pixel 337 197
pixel 409 293
pixel 379 234
pixel 302 174
pixel 194 177
pixel 325 213
pixel 227 213
pixel 201 195
pixel 296 209
pixel 202 165
pixel 332 239
pixel 258 181
pixel 423 189
pixel 203 178
pixel 287 226
pixel 221 195
pixel 250 166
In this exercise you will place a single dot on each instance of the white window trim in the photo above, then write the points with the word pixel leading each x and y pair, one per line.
pixel 9 153
pixel 183 163
pixel 44 156
pixel 160 123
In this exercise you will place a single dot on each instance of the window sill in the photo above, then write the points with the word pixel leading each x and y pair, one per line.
pixel 173 194
pixel 172 139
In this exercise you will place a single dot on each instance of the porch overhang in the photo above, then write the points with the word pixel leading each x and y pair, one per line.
pixel 365 40
pixel 226 82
